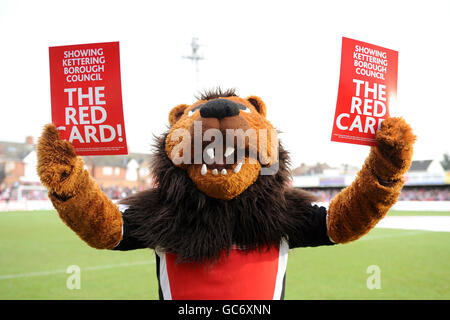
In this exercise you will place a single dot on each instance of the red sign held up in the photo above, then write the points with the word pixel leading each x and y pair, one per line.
pixel 86 97
pixel 367 85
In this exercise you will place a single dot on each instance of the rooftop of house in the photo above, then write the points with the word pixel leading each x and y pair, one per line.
pixel 14 150
pixel 17 151
pixel 420 165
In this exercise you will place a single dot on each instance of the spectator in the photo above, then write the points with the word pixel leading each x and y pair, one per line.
pixel 324 194
pixel 407 194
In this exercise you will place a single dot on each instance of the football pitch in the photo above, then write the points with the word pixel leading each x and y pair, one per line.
pixel 37 250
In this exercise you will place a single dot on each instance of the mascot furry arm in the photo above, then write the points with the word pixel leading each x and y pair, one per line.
pixel 75 195
pixel 358 208
pixel 222 212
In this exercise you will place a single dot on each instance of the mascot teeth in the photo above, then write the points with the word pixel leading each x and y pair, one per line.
pixel 224 171
pixel 210 153
pixel 229 151
pixel 238 167
pixel 215 172
pixel 204 170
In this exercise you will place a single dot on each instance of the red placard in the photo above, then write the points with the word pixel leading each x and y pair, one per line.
pixel 367 85
pixel 86 97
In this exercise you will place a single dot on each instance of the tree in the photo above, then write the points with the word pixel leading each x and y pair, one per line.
pixel 446 162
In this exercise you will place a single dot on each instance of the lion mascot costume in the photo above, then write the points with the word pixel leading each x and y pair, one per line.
pixel 220 228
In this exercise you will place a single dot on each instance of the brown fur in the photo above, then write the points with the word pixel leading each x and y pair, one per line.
pixel 358 208
pixel 76 196
pixel 176 113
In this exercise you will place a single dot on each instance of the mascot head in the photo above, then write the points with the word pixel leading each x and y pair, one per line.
pixel 223 142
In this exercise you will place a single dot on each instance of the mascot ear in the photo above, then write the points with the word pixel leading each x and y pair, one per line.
pixel 176 113
pixel 259 105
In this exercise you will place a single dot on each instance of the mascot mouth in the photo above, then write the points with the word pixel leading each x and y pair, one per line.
pixel 225 161
pixel 224 171
pixel 221 168
pixel 225 184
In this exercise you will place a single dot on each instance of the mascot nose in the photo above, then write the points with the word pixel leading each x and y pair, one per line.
pixel 219 108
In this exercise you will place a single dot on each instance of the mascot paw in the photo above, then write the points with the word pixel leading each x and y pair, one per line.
pixel 395 135
pixel 391 158
pixel 58 165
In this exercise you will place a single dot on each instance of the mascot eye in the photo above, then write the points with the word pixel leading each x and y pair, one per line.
pixel 192 111
pixel 246 109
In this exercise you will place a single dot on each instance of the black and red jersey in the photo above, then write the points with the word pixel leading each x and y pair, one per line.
pixel 238 274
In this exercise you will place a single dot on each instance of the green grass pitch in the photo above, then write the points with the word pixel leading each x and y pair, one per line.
pixel 36 249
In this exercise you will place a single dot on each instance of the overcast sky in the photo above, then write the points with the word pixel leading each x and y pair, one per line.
pixel 286 52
